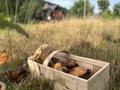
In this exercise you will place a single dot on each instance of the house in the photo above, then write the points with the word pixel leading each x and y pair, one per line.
pixel 53 12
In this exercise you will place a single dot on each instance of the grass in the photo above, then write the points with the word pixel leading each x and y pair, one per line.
pixel 92 38
pixel 31 83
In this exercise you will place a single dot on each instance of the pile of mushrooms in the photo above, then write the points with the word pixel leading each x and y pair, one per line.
pixel 71 67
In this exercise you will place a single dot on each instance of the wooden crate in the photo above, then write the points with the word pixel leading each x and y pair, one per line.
pixel 64 81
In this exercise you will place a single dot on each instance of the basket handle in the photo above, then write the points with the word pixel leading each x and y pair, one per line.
pixel 47 60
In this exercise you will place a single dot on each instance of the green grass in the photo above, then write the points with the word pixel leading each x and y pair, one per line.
pixel 31 83
pixel 97 39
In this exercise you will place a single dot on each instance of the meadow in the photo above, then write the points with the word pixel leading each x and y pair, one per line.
pixel 93 38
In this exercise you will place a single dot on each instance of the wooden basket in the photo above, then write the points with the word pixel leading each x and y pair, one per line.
pixel 98 81
pixel 2 86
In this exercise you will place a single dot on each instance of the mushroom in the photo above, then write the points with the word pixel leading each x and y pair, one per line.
pixel 18 73
pixel 78 71
pixel 58 66
pixel 4 58
pixel 70 64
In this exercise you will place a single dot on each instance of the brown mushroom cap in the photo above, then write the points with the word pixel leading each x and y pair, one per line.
pixel 4 58
pixel 78 71
pixel 58 66
pixel 70 64
pixel 18 73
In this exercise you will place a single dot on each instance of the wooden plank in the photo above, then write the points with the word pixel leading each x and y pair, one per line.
pixel 60 87
pixel 60 80
pixel 103 79
pixel 104 86
pixel 82 59
pixel 47 72
pixel 104 70
pixel 34 67
pixel 100 82
pixel 92 80
pixel 71 86
pixel 96 68
pixel 81 88
pixel 68 77
pixel 85 65
pixel 98 74
pixel 93 87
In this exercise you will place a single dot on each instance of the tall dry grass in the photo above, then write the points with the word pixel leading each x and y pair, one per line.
pixel 97 39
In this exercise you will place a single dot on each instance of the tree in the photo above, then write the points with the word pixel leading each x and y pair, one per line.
pixel 30 9
pixel 103 5
pixel 117 9
pixel 79 7
pixel 18 10
pixel 8 8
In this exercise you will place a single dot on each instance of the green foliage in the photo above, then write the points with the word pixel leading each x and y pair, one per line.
pixel 23 10
pixel 78 8
pixel 5 24
pixel 2 6
pixel 11 5
pixel 9 66
pixel 2 15
pixel 30 10
pixel 103 5
pixel 107 14
pixel 32 84
pixel 38 10
pixel 117 9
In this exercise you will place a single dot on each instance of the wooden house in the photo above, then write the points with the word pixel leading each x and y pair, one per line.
pixel 53 12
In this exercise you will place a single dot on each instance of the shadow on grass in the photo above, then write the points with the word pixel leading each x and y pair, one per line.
pixel 85 49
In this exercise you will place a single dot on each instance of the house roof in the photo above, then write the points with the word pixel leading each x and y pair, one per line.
pixel 46 6
pixel 49 7
pixel 53 7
